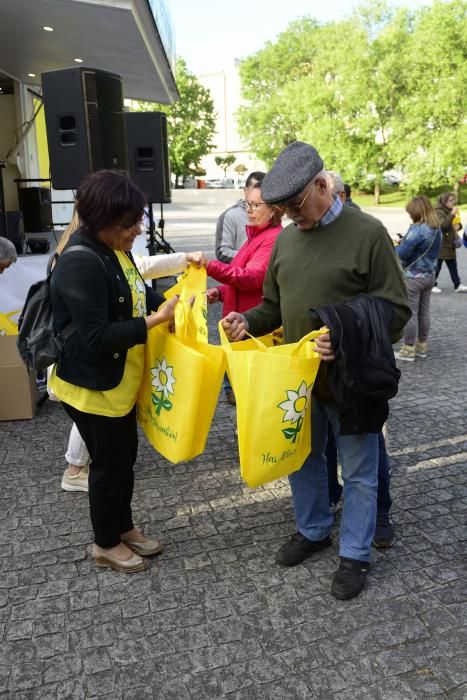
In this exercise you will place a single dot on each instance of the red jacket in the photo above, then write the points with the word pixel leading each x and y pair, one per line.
pixel 243 278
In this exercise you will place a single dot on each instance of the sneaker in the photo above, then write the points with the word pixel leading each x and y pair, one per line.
pixel 436 290
pixel 298 548
pixel 407 352
pixel 421 350
pixel 349 580
pixel 385 535
pixel 461 288
pixel 78 482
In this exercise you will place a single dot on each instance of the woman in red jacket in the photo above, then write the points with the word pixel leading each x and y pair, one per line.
pixel 242 279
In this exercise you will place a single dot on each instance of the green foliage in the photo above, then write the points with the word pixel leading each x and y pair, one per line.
pixel 384 88
pixel 225 162
pixel 190 123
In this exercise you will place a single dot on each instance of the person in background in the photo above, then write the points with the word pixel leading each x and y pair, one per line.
pixel 99 370
pixel 75 476
pixel 348 199
pixel 329 254
pixel 418 252
pixel 230 228
pixel 8 254
pixel 242 279
pixel 446 211
pixel 384 536
pixel 336 184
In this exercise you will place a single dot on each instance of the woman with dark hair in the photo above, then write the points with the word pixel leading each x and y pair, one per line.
pixel 446 211
pixel 99 290
pixel 242 279
pixel 418 252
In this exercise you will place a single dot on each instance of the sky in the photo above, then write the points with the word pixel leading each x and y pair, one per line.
pixel 209 34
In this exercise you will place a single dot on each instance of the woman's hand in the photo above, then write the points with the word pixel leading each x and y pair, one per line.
pixel 235 326
pixel 213 295
pixel 197 258
pixel 324 347
pixel 164 314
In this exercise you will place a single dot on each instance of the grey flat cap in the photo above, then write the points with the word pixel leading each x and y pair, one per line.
pixel 293 169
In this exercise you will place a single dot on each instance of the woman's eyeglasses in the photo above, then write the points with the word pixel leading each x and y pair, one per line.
pixel 254 206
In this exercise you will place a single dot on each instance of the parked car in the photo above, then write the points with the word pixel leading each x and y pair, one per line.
pixel 228 183
pixel 214 184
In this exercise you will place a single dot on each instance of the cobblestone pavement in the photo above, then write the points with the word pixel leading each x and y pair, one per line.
pixel 214 616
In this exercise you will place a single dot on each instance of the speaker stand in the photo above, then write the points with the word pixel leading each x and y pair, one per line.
pixel 4 226
pixel 157 243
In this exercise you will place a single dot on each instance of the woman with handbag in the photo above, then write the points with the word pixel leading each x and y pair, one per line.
pixel 418 252
pixel 448 217
pixel 99 371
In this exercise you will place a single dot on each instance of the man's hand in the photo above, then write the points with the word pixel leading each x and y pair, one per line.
pixel 212 295
pixel 324 347
pixel 197 258
pixel 235 326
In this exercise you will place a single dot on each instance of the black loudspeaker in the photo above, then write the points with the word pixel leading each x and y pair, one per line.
pixel 148 154
pixel 36 206
pixel 15 233
pixel 85 125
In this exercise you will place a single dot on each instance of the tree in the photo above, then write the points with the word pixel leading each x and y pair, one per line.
pixel 432 137
pixel 225 162
pixel 190 123
pixel 383 88
pixel 240 169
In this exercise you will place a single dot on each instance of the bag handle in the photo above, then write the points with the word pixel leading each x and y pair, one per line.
pixel 261 346
pixel 185 326
pixel 226 344
pixel 307 338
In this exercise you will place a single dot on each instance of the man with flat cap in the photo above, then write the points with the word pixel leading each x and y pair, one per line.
pixel 329 254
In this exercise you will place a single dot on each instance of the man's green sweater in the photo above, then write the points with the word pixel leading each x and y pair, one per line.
pixel 329 264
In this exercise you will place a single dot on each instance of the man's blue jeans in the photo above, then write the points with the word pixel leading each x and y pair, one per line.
pixel 359 460
pixel 384 501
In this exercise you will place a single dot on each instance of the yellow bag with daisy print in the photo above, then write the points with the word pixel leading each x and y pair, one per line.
pixel 181 383
pixel 272 387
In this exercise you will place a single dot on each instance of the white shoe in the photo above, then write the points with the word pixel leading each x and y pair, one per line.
pixel 460 288
pixel 78 482
pixel 436 290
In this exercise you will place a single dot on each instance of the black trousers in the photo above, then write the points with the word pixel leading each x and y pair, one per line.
pixel 112 445
pixel 452 267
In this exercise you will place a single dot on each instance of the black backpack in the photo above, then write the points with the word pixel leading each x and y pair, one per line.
pixel 38 344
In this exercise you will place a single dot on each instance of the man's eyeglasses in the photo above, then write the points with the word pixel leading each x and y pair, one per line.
pixel 292 205
pixel 254 206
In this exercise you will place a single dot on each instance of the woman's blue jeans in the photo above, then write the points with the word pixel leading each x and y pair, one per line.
pixel 359 459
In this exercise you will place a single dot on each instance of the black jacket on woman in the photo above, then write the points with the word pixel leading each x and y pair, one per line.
pixel 95 295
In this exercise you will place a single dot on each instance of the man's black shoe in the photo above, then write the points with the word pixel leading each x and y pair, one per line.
pixel 385 535
pixel 349 579
pixel 298 548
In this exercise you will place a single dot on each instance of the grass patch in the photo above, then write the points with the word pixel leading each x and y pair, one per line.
pixel 394 197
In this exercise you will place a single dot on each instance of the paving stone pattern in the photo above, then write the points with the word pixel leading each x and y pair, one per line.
pixel 214 616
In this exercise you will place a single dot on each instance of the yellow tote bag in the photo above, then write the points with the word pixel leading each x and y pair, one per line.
pixel 272 387
pixel 7 326
pixel 181 383
pixel 190 283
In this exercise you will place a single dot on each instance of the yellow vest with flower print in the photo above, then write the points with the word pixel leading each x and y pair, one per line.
pixel 120 400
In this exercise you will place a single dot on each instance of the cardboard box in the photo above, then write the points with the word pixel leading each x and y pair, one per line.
pixel 18 392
